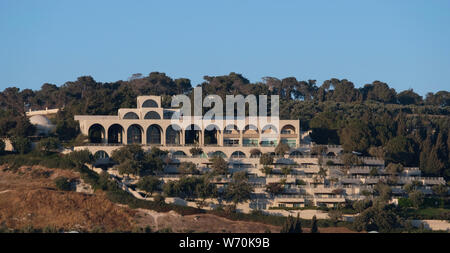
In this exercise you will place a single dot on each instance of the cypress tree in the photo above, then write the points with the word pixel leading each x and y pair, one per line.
pixel 314 228
pixel 298 225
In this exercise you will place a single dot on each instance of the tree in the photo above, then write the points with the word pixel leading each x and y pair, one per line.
pixel 441 191
pixel 79 158
pixel 409 97
pixel 48 144
pixel 383 190
pixel 379 91
pixel 361 205
pixel 402 150
pixel 349 159
pixel 238 190
pixel 255 152
pixel 314 228
pixel 319 150
pixel 266 159
pixel 416 198
pixel 378 218
pixel 149 184
pixel 291 225
pixel 282 149
pixel 274 188
pixel 377 152
pixel 205 190
pixel 267 170
pixel 394 168
pixel 188 168
pixel 21 144
pixel 286 170
pixel 196 151
pixel 356 136
pixel 219 165
pixel 2 146
pixel 63 184
pixel 335 216
pixel 414 185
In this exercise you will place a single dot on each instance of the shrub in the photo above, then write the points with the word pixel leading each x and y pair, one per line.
pixel 63 184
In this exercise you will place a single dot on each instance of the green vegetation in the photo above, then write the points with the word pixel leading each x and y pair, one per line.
pixel 63 184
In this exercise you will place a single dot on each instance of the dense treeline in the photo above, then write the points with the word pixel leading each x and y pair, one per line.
pixel 404 128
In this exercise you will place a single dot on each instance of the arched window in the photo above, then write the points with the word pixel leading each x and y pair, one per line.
pixel 96 133
pixel 192 134
pixel 115 134
pixel 130 115
pixel 173 133
pixel 218 154
pixel 154 134
pixel 288 129
pixel 149 103
pixel 134 134
pixel 101 154
pixel 152 115
pixel 238 154
pixel 231 129
pixel 269 129
pixel 179 154
pixel 211 134
pixel 250 129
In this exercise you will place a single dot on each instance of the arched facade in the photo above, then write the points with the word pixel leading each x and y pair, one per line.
pixel 115 134
pixel 173 135
pixel 154 135
pixel 96 133
pixel 192 134
pixel 134 134
pixel 151 124
pixel 212 135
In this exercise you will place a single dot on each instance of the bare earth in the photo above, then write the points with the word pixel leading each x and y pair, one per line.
pixel 29 197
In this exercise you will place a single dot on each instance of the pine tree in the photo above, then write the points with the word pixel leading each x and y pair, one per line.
pixel 314 228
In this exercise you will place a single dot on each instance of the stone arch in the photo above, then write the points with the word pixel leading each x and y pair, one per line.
pixel 231 129
pixel 192 134
pixel 250 129
pixel 134 134
pixel 179 153
pixel 295 153
pixel 149 103
pixel 152 115
pixel 101 154
pixel 130 115
pixel 288 129
pixel 238 154
pixel 269 129
pixel 173 134
pixel 218 154
pixel 212 134
pixel 96 133
pixel 115 134
pixel 154 134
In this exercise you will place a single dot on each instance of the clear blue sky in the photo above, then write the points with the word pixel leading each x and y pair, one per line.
pixel 403 43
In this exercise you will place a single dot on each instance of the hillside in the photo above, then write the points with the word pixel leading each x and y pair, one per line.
pixel 29 199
